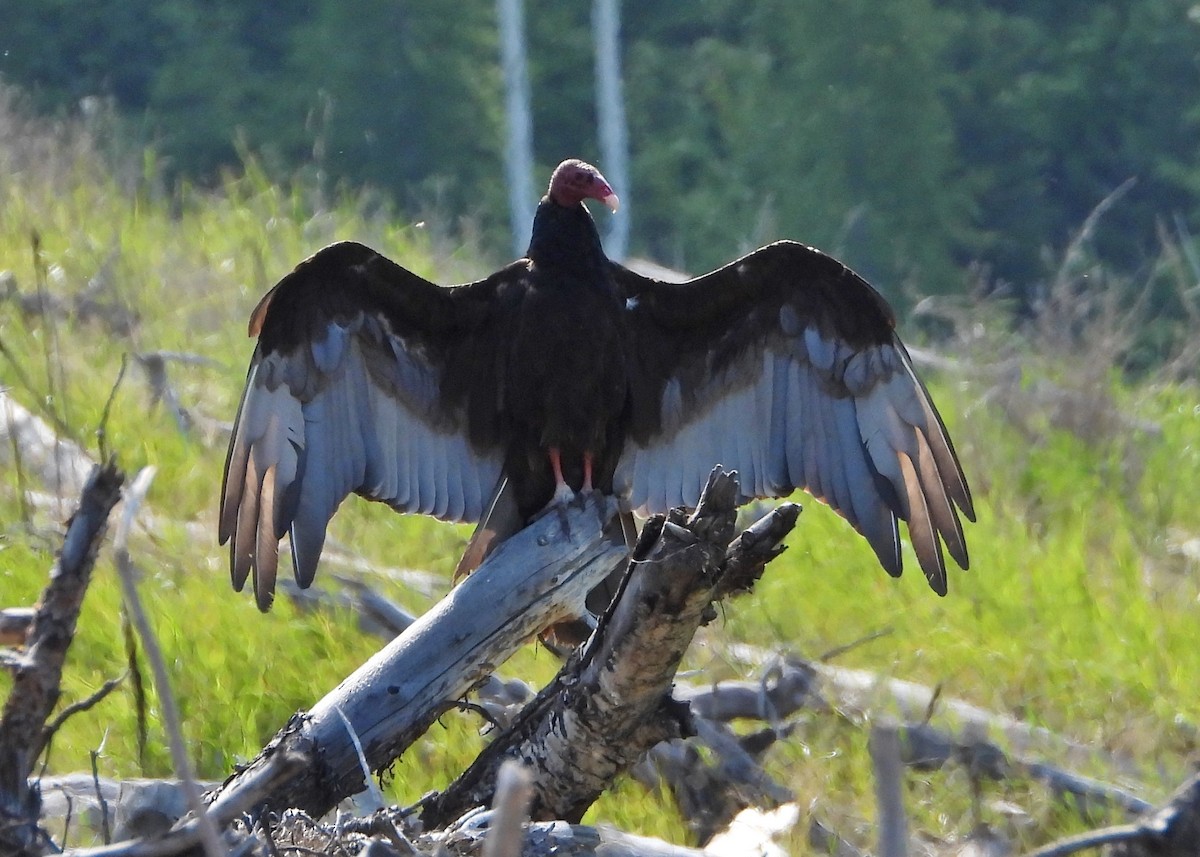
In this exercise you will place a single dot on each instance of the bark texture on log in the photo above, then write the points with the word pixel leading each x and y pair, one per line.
pixel 612 702
pixel 539 577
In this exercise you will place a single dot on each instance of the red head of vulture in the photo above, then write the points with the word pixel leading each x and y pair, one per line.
pixel 565 371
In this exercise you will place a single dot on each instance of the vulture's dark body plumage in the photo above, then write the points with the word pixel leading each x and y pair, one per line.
pixel 457 401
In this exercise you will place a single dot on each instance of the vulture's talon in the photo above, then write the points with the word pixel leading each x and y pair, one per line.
pixel 563 497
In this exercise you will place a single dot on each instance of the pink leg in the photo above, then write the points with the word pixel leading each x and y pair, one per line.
pixel 562 491
pixel 587 472
pixel 556 465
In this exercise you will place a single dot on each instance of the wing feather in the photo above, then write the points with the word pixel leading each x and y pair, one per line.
pixel 266 548
pixel 785 366
pixel 793 441
pixel 359 384
pixel 941 510
pixel 921 531
pixel 241 549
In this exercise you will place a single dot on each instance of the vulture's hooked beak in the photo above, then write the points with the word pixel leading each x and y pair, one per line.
pixel 612 202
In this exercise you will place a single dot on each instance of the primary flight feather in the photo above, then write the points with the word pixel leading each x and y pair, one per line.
pixel 566 372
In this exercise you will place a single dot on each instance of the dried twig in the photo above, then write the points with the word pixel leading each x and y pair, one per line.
pixel 372 786
pixel 94 756
pixel 209 835
pixel 56 382
pixel 889 791
pixel 102 426
pixel 82 705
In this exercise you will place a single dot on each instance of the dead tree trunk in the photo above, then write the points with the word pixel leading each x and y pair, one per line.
pixel 606 708
pixel 539 577
pixel 37 673
pixel 612 703
pixel 518 115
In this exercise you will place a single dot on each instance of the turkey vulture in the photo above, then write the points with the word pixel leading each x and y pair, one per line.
pixel 565 372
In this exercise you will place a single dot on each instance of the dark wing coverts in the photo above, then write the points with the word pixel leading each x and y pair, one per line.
pixel 366 379
pixel 785 366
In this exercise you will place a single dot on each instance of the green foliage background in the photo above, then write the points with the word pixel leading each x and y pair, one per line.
pixel 911 137
pixel 931 143
pixel 1078 615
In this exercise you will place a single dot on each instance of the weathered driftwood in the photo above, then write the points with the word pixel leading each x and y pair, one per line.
pixel 53 467
pixel 862 695
pixel 537 578
pixel 154 365
pixel 925 747
pixel 612 703
pixel 56 464
pixel 141 806
pixel 129 808
pixel 710 793
pixel 38 672
pixel 786 687
pixel 188 835
pixel 1172 830
pixel 792 684
pixel 96 303
pixel 377 615
pixel 858 692
pixel 710 789
pixel 298 833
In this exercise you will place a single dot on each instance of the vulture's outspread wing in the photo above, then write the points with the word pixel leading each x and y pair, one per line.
pixel 785 366
pixel 366 379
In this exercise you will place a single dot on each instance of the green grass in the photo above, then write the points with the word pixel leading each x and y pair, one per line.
pixel 1077 613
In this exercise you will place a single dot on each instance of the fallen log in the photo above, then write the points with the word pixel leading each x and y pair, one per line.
pixel 861 695
pixel 1172 830
pixel 535 579
pixel 797 684
pixel 40 452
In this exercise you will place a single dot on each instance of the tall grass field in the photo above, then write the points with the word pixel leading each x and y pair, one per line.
pixel 1079 613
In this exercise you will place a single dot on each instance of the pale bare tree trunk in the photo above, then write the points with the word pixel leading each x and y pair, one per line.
pixel 518 160
pixel 610 115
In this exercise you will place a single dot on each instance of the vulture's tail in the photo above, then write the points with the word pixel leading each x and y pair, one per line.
pixel 499 522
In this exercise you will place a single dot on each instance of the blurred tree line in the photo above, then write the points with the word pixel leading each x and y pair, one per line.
pixel 911 138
